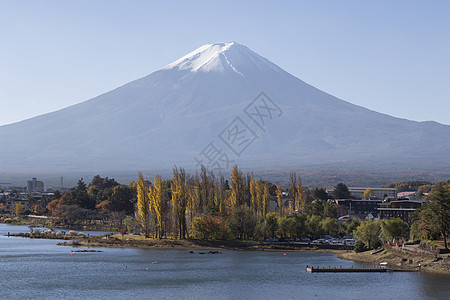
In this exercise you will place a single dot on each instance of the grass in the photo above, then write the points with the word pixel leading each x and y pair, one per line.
pixel 401 260
pixel 440 244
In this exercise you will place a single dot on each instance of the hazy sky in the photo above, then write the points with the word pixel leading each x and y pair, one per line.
pixel 389 56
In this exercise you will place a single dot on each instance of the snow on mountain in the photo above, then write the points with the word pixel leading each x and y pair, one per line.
pixel 171 115
pixel 219 57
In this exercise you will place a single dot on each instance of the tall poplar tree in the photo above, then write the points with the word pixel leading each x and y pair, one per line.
pixel 280 200
pixel 293 190
pixel 179 200
pixel 236 188
pixel 266 199
pixel 299 196
pixel 143 204
pixel 157 194
pixel 253 195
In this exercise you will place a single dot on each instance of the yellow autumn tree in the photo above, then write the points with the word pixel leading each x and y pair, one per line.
pixel 221 195
pixel 253 194
pixel 368 193
pixel 236 188
pixel 299 197
pixel 19 209
pixel 143 204
pixel 280 200
pixel 179 201
pixel 266 199
pixel 157 196
pixel 193 196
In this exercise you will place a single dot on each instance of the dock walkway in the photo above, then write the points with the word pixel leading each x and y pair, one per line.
pixel 345 270
pixel 353 270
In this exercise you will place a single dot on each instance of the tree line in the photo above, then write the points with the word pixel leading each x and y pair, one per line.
pixel 430 222
pixel 206 206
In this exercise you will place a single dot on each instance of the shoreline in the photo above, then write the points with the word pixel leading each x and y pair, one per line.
pixel 397 260
pixel 131 241
pixel 394 259
pixel 402 260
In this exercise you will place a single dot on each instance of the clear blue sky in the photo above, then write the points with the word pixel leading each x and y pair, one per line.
pixel 389 56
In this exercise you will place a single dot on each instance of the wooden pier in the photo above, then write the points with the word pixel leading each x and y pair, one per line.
pixel 346 270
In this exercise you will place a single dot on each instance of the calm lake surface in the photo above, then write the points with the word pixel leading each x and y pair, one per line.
pixel 39 269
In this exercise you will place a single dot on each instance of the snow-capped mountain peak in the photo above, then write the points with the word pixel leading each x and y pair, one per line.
pixel 220 57
pixel 207 99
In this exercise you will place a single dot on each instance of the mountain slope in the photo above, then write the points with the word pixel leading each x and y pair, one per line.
pixel 171 115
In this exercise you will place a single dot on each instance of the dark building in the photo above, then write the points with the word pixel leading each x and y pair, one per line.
pixel 401 208
pixel 357 208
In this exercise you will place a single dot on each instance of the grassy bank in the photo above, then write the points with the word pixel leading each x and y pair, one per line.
pixel 402 260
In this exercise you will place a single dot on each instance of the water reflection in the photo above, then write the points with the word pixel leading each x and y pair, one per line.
pixel 43 270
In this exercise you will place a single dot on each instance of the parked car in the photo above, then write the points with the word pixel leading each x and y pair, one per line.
pixel 349 242
pixel 272 240
pixel 305 239
pixel 319 241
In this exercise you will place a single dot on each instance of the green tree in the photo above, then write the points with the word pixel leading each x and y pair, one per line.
pixel 329 210
pixel 287 226
pixel 123 199
pixel 79 196
pixel 130 223
pixel 320 193
pixel 242 222
pixel 314 227
pixel 436 213
pixel 314 208
pixel 330 226
pixel 341 191
pixel 369 234
pixel 393 228
pixel 299 228
pixel 271 224
pixel 349 226
pixel 103 183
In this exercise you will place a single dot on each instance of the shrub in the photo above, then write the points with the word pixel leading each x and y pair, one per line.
pixel 209 228
pixel 360 247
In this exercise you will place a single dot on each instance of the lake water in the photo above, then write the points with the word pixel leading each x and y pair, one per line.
pixel 39 269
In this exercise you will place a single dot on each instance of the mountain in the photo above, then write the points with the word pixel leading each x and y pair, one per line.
pixel 221 103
